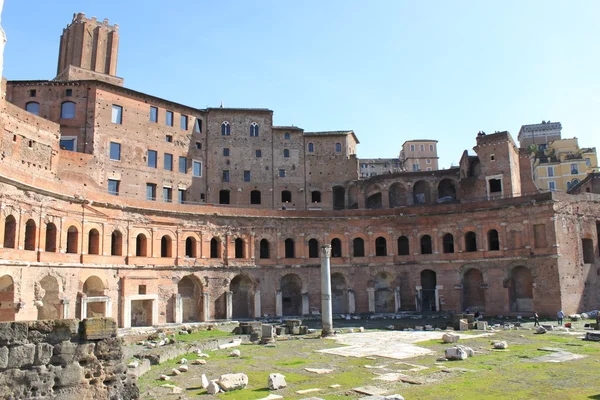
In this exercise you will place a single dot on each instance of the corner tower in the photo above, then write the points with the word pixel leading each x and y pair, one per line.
pixel 88 50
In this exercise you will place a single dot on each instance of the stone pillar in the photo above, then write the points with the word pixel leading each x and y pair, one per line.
pixel 326 307
pixel 418 298
pixel 437 297
pixel 229 305
pixel 83 308
pixel 65 308
pixel 371 295
pixel 126 312
pixel 305 303
pixel 155 311
pixel 397 302
pixel 206 306
pixel 279 304
pixel 108 308
pixel 351 301
pixel 257 305
pixel 178 309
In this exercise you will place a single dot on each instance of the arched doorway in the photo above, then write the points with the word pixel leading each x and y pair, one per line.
pixel 384 294
pixel 447 190
pixel 339 293
pixel 291 295
pixel 50 307
pixel 421 193
pixel 428 284
pixel 242 297
pixel 93 287
pixel 191 294
pixel 7 296
pixel 473 293
pixel 397 195
pixel 521 290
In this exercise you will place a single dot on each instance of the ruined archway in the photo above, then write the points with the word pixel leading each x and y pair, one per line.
pixel 447 190
pixel 353 197
pixel 49 305
pixel 473 292
pixel 428 285
pixel 291 295
pixel 421 193
pixel 521 289
pixel 242 301
pixel 397 195
pixel 374 201
pixel 93 287
pixel 339 294
pixel 190 290
pixel 7 298
pixel 384 294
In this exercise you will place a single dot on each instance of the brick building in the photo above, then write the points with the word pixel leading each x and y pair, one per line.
pixel 419 155
pixel 244 208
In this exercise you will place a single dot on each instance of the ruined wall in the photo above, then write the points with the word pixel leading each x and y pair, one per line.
pixel 63 359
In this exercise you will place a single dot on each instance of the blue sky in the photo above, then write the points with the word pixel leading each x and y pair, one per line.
pixel 390 70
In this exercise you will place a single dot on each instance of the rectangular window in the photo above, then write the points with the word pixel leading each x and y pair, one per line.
pixel 115 151
pixel 32 93
pixel 226 152
pixel 246 176
pixel 150 191
pixel 117 114
pixel 416 167
pixel 153 114
pixel 258 153
pixel 169 118
pixel 183 165
pixel 183 122
pixel 574 169
pixel 113 187
pixel 167 194
pixel 430 147
pixel 428 161
pixel 69 92
pixel 551 186
pixel 588 162
pixel 181 196
pixel 169 138
pixel 422 148
pixel 539 236
pixel 412 147
pixel 196 168
pixel 68 144
pixel 492 157
pixel 152 156
pixel 168 162
pixel 550 172
pixel 198 146
pixel 282 173
pixel 225 176
pixel 198 125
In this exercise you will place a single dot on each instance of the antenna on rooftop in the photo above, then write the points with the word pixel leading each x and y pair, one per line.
pixel 221 103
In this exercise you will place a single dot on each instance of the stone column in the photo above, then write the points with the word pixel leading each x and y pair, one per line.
pixel 351 301
pixel 305 303
pixel 178 309
pixel 206 306
pixel 279 304
pixel 371 295
pixel 155 311
pixel 326 307
pixel 108 308
pixel 126 312
pixel 83 307
pixel 65 308
pixel 229 304
pixel 437 297
pixel 397 302
pixel 257 305
pixel 418 298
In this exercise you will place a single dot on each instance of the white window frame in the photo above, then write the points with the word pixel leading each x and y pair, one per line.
pixel 74 138
pixel 551 172
pixel 552 186
pixel 193 169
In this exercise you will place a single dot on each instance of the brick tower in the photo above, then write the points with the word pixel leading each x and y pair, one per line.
pixel 88 50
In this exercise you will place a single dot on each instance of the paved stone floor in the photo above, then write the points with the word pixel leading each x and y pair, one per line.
pixel 396 345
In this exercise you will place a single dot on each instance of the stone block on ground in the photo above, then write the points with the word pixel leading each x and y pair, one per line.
pixel 450 338
pixel 548 327
pixel 276 381
pixel 540 329
pixel 501 345
pixel 213 388
pixel 229 382
pixel 458 353
pixel 235 353
pixel 593 336
pixel 205 382
pixel 463 325
pixel 482 325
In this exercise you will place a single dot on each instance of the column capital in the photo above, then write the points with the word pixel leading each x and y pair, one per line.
pixel 326 251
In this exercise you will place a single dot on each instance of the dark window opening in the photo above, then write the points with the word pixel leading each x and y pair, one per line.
pixel 190 247
pixel 336 248
pixel 358 245
pixel 448 243
pixel 493 240
pixel 50 238
pixel 239 248
pixel 166 247
pixel 380 247
pixel 141 245
pixel 470 242
pixel 255 197
pixel 286 196
pixel 495 185
pixel 215 248
pixel 224 197
pixel 587 246
pixel 426 245
pixel 289 249
pixel 315 196
pixel 264 248
pixel 313 248
pixel 403 246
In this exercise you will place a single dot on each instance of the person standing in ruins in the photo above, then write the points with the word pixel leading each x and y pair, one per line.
pixel 560 315
pixel 536 319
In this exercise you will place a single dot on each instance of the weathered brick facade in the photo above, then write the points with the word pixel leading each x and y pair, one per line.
pixel 479 236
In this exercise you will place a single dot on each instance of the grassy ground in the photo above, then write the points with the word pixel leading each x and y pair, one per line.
pixel 490 374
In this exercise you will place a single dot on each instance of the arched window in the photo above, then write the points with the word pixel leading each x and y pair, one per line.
pixel 116 243
pixel 239 248
pixel 286 196
pixel 254 129
pixel 67 110
pixel 10 232
pixel 215 248
pixel 358 245
pixel 448 243
pixel 50 238
pixel 336 247
pixel 72 240
pixel 255 197
pixel 190 247
pixel 470 242
pixel 311 148
pixel 426 247
pixel 315 196
pixel 264 249
pixel 313 248
pixel 141 245
pixel 93 242
pixel 338 147
pixel 165 246
pixel 493 240
pixel 30 230
pixel 33 107
pixel 225 129
pixel 289 248
pixel 380 247
pixel 286 153
pixel 403 246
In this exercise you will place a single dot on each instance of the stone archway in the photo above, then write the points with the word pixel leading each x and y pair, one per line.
pixel 242 297
pixel 47 296
pixel 397 195
pixel 473 293
pixel 521 289
pixel 339 294
pixel 291 295
pixel 190 290
pixel 428 287
pixel 7 298
pixel 93 287
pixel 384 294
